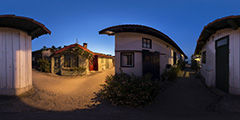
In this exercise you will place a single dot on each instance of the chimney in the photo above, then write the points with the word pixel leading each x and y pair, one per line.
pixel 85 45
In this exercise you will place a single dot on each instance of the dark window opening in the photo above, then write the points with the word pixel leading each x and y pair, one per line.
pixel 174 58
pixel 204 57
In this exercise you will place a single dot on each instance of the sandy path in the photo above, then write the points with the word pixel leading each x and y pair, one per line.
pixel 59 93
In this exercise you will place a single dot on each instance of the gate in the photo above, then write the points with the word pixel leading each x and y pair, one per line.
pixel 151 63
pixel 222 64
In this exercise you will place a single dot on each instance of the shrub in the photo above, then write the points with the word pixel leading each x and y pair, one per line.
pixel 43 65
pixel 79 69
pixel 194 65
pixel 172 73
pixel 123 89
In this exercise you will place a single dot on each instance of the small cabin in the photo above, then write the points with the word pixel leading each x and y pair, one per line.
pixel 218 46
pixel 101 62
pixel 140 50
pixel 16 35
pixel 72 60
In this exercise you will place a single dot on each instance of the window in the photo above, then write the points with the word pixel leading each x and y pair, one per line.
pixel 146 43
pixel 127 59
pixel 174 58
pixel 70 60
pixel 204 57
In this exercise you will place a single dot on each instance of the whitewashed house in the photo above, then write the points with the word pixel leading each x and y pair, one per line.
pixel 141 49
pixel 16 35
pixel 219 48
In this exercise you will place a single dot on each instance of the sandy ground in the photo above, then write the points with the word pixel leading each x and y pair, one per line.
pixel 57 93
pixel 186 98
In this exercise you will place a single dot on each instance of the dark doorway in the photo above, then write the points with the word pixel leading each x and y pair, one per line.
pixel 151 63
pixel 222 64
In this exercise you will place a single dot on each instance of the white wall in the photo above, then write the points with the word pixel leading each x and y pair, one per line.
pixel 102 63
pixel 208 69
pixel 133 41
pixel 16 61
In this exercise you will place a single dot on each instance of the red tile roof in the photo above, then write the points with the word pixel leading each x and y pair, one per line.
pixel 103 55
pixel 73 45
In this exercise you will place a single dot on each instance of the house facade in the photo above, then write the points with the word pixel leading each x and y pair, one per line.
pixel 218 46
pixel 141 49
pixel 73 59
pixel 16 35
pixel 101 62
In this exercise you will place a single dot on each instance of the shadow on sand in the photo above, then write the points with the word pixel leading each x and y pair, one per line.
pixel 186 98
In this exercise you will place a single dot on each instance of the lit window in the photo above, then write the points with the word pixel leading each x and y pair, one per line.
pixel 127 59
pixel 146 43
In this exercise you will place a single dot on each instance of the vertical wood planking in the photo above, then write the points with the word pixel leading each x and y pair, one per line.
pixel 29 60
pixel 16 47
pixel 9 48
pixel 22 59
pixel 26 61
pixel 2 59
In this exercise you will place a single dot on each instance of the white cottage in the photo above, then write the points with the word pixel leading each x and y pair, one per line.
pixel 16 35
pixel 141 49
pixel 219 48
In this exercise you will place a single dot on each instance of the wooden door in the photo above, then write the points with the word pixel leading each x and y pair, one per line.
pixel 222 64
pixel 151 63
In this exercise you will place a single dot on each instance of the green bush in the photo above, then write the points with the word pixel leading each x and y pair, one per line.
pixel 173 72
pixel 79 69
pixel 194 65
pixel 44 65
pixel 123 89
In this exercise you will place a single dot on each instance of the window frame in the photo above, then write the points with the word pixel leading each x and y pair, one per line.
pixel 121 55
pixel 150 42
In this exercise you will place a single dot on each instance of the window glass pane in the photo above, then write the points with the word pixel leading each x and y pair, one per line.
pixel 130 60
pixel 144 45
pixel 148 46
pixel 222 42
pixel 124 60
pixel 127 59
pixel 148 41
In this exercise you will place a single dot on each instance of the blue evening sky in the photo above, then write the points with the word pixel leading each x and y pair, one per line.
pixel 181 20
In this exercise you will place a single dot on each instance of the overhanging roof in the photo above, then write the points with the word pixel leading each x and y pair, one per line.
pixel 222 23
pixel 141 29
pixel 32 27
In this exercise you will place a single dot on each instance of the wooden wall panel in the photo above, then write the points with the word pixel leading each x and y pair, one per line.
pixel 2 59
pixel 15 59
pixel 9 56
pixel 22 59
pixel 16 55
